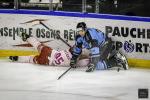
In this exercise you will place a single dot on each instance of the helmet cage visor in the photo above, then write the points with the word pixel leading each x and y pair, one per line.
pixel 79 29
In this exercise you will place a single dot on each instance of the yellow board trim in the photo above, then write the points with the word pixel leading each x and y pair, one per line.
pixel 138 63
pixel 6 53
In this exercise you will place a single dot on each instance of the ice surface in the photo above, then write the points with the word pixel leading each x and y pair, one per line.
pixel 35 82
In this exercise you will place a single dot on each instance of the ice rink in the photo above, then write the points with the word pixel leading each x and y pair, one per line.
pixel 35 82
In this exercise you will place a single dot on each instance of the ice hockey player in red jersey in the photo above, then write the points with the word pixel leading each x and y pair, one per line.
pixel 49 56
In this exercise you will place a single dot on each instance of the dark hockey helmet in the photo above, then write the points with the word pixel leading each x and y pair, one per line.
pixel 81 26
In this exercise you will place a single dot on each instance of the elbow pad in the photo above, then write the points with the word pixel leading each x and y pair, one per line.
pixel 76 51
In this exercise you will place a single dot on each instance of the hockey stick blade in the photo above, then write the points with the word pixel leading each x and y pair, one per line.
pixel 64 73
pixel 33 22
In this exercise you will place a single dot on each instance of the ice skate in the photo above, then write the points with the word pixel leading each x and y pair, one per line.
pixel 13 58
pixel 122 60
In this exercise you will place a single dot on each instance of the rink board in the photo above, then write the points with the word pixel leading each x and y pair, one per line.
pixel 131 34
pixel 138 63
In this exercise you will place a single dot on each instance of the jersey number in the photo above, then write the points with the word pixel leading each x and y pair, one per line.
pixel 59 59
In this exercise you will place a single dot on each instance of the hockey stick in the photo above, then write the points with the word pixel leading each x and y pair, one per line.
pixel 58 36
pixel 64 73
pixel 40 21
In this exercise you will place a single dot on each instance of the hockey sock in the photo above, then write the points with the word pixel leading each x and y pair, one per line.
pixel 25 59
pixel 34 42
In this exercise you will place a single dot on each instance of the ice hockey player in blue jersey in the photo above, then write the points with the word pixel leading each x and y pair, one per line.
pixel 100 47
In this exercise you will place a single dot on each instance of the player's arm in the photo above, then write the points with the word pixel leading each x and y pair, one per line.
pixel 77 50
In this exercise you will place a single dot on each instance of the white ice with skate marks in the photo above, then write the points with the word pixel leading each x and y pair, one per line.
pixel 35 82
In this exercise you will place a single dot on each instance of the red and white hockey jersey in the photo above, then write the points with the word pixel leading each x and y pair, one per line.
pixel 61 58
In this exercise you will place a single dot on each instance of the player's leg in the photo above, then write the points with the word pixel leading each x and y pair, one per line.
pixel 106 49
pixel 44 51
pixel 22 59
pixel 104 54
pixel 121 60
pixel 33 41
pixel 101 65
pixel 112 57
pixel 44 57
pixel 118 60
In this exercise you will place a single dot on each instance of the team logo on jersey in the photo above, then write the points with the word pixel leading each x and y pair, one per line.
pixel 128 46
